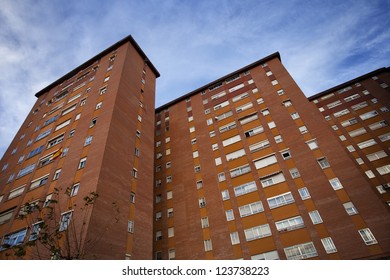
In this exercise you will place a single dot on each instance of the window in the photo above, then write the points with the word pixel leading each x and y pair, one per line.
pixel 158 216
pixel 336 184
pixel 55 141
pixel 265 161
pixel 49 121
pixel 192 129
pixel 88 140
pixel 303 129
pixel 236 154
pixel 370 174
pixel 383 169
pixel 159 235
pixel 289 224
pixel 239 97
pixel 130 226
pixel 197 168
pixel 240 171
pixel 273 255
pixel 285 154
pixel 204 222
pixel 35 229
pixel 6 216
pixel 257 232
pixel 323 162
pixel 312 144
pixel 43 135
pixel 328 245
pixel 103 90
pixel 304 193
pixel 221 177
pixel 229 215
pixel 237 87
pixel 46 160
pixel 231 140
pixel 341 113
pixel 208 246
pixel 39 182
pixel 278 139
pixel 280 200
pixel 170 212
pixel 254 131
pixel 68 110
pixel 248 119
pixel 57 174
pixel 71 133
pixel 75 189
pixel 333 104
pixel 377 155
pixel 271 125
pixel 202 202
pixel 272 179
pixel 234 238
pixel 93 123
pixel 171 254
pixel 244 107
pixel 357 132
pixel 169 194
pixel 199 184
pixel 195 154
pixel 367 236
pixel 132 197
pixel 245 188
pixel 26 170
pixel 82 163
pixel 294 173
pixel 225 194
pixel 294 115
pixel 315 217
pixel 366 144
pixel 20 159
pixel 300 251
pixel 48 200
pixel 251 208
pixel 99 105
pixel 171 232
pixel 168 164
pixel 350 208
pixel 384 137
pixel 274 82
pixel 62 125
pixel 65 220
pixel 13 239
pixel 378 125
pixel 221 105
pixel 259 146
pixel 368 115
pixel 227 127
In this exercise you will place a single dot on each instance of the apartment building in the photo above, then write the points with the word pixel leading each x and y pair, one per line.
pixel 246 167
pixel 358 112
pixel 91 131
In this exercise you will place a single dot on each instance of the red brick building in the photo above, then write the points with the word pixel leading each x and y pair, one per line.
pixel 100 116
pixel 245 167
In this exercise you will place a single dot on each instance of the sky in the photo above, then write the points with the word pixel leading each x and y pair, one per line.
pixel 322 43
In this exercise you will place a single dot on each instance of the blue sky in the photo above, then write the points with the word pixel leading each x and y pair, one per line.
pixel 322 43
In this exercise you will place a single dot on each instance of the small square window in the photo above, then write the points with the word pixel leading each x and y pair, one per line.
pixel 286 154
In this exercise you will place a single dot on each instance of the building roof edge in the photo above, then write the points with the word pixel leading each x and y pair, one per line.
pixel 355 80
pixel 185 96
pixel 71 73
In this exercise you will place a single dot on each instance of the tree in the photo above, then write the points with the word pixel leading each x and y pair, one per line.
pixel 55 235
